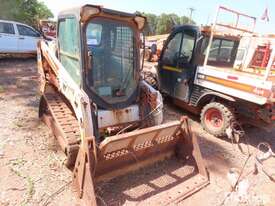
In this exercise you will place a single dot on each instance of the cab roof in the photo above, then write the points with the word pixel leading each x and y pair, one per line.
pixel 85 12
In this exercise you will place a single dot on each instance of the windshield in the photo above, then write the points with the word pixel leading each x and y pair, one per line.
pixel 112 47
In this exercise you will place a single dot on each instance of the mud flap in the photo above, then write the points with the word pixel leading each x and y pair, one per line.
pixel 170 157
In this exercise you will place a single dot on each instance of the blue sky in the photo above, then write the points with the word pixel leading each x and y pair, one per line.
pixel 204 9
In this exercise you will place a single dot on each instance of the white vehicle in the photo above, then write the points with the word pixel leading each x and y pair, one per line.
pixel 224 73
pixel 16 37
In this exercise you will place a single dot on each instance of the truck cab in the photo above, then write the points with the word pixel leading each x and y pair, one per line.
pixel 177 64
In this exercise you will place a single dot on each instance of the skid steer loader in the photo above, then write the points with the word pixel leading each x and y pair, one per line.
pixel 107 120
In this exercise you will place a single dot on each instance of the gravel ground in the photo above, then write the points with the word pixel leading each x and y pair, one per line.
pixel 31 163
pixel 31 168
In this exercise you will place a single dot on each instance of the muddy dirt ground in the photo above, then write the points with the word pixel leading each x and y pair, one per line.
pixel 31 163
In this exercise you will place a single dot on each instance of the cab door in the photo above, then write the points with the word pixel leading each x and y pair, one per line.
pixel 176 67
pixel 27 39
pixel 8 38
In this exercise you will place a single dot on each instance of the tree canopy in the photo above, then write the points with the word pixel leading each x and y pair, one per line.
pixel 25 11
pixel 163 23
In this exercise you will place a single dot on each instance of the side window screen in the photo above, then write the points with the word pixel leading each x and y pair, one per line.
pixel 122 39
pixel 26 31
pixel 171 53
pixel 68 36
pixel 94 32
pixel 6 28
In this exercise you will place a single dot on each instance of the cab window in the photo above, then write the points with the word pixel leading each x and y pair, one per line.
pixel 94 33
pixel 188 43
pixel 26 31
pixel 221 50
pixel 113 65
pixel 179 50
pixel 69 47
pixel 6 28
pixel 222 53
pixel 171 52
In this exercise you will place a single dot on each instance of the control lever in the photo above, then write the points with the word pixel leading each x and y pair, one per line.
pixel 90 60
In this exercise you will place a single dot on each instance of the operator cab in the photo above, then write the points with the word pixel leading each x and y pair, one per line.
pixel 100 49
pixel 185 49
pixel 112 76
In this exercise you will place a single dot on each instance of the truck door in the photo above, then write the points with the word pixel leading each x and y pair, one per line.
pixel 8 39
pixel 27 39
pixel 176 68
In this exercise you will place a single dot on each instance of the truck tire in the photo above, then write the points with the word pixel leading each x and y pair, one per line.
pixel 216 118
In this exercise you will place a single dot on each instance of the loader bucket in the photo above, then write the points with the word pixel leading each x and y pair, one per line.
pixel 158 165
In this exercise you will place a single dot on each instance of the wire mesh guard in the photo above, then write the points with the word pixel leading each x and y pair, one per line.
pixel 113 49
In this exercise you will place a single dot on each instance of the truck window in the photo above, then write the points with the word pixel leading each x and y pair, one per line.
pixel 188 43
pixel 222 52
pixel 26 31
pixel 6 28
pixel 94 32
pixel 171 52
pixel 69 49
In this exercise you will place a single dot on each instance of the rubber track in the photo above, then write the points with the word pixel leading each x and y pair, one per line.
pixel 65 120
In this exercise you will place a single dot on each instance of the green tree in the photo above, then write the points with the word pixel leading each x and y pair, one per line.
pixel 176 20
pixel 152 20
pixel 25 11
pixel 186 20
pixel 164 23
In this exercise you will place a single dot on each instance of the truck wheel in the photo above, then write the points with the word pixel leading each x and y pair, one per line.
pixel 216 118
